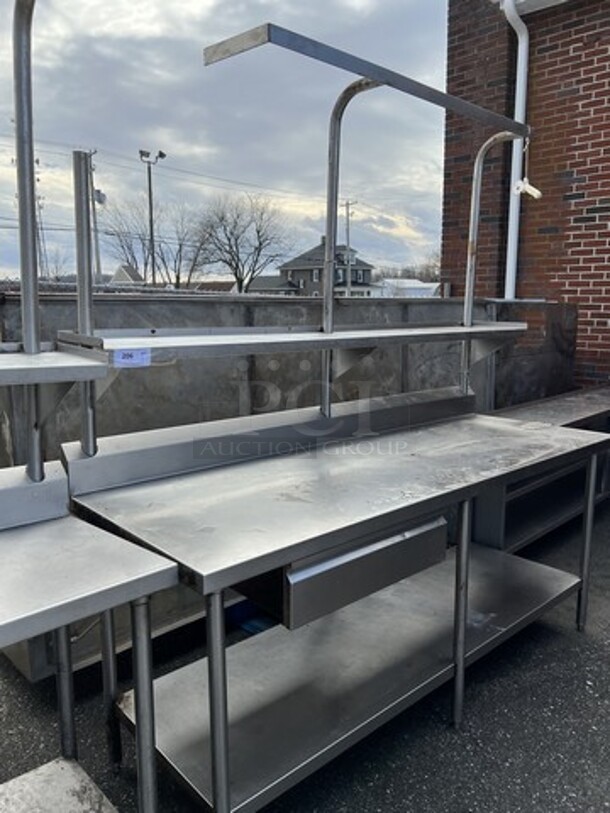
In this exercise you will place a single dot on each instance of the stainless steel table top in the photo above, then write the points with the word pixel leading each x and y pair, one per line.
pixel 49 368
pixel 227 524
pixel 570 408
pixel 56 572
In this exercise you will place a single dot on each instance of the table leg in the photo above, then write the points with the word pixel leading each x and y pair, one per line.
pixel 461 610
pixel 65 692
pixel 585 555
pixel 219 721
pixel 144 706
pixel 110 686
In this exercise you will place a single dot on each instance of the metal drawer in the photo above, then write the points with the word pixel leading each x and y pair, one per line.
pixel 312 588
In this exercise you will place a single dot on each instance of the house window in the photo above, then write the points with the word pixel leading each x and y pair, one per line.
pixel 359 275
pixel 301 283
pixel 316 293
pixel 316 275
pixel 289 276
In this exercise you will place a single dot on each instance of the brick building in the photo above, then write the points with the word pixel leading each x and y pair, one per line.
pixel 564 246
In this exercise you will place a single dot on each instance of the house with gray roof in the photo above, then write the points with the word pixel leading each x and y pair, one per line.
pixel 305 272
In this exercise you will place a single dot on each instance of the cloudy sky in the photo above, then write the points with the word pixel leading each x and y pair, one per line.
pixel 118 76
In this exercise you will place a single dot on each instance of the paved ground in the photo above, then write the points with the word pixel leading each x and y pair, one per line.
pixel 536 737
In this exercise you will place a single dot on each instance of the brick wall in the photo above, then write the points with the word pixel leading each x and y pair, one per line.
pixel 564 249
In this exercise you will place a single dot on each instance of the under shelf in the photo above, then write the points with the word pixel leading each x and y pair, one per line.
pixel 298 699
pixel 49 368
pixel 141 350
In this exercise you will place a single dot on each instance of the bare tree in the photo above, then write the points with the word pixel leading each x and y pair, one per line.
pixel 179 241
pixel 427 271
pixel 126 235
pixel 244 234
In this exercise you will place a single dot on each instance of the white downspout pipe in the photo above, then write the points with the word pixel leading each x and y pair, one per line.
pixel 514 209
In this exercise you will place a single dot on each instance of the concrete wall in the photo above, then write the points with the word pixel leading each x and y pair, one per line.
pixel 193 390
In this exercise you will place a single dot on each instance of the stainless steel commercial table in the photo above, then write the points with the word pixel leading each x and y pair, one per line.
pixel 298 698
pixel 56 572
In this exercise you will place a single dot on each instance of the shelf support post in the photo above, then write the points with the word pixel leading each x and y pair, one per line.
pixel 219 717
pixel 330 238
pixel 585 555
pixel 461 610
pixel 144 706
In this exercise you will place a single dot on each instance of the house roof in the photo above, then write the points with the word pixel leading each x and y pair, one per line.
pixel 215 285
pixel 271 282
pixel 314 258
pixel 127 271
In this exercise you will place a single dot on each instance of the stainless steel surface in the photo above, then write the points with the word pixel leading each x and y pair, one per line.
pixel 141 456
pixel 26 200
pixel 229 524
pixel 218 704
pixel 461 609
pixel 81 162
pixel 297 699
pixel 23 502
pixel 144 704
pixel 26 173
pixel 568 409
pixel 142 351
pixel 585 557
pixel 312 588
pixel 49 368
pixel 60 786
pixel 65 693
pixel 330 246
pixel 54 573
pixel 270 33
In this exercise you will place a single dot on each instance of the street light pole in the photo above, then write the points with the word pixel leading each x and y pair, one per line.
pixel 150 162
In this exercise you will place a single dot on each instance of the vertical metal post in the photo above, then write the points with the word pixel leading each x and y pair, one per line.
pixel 219 717
pixel 26 191
pixel 145 708
pixel 330 245
pixel 84 272
pixel 65 693
pixel 151 223
pixel 587 532
pixel 96 233
pixel 471 260
pixel 461 610
pixel 110 684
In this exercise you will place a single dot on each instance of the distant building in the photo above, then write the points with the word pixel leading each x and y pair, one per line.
pixel 126 275
pixel 273 285
pixel 305 272
pixel 409 288
pixel 214 285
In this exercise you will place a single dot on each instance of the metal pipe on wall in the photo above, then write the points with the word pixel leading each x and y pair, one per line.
pixel 26 190
pixel 514 206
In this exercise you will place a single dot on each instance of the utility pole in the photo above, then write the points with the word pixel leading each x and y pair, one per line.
pixel 348 288
pixel 150 162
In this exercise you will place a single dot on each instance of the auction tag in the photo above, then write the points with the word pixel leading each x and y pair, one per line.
pixel 132 358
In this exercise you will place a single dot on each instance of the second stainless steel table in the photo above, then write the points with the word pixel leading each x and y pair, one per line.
pixel 240 521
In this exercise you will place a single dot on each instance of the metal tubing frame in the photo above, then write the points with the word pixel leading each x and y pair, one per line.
pixel 144 706
pixel 461 610
pixel 473 233
pixel 275 35
pixel 81 163
pixel 218 699
pixel 26 190
pixel 65 693
pixel 330 245
pixel 110 685
pixel 585 555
